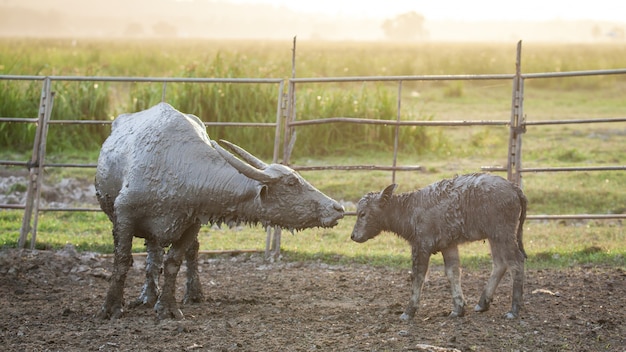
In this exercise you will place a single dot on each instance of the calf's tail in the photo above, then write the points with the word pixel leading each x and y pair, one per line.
pixel 522 218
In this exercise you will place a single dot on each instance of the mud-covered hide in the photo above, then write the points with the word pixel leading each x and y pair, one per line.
pixel 157 161
pixel 160 161
pixel 462 209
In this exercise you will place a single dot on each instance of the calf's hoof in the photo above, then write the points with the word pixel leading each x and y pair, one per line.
pixel 510 315
pixel 480 308
pixel 456 314
pixel 409 313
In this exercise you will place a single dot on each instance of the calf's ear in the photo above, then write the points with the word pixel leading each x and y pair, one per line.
pixel 386 193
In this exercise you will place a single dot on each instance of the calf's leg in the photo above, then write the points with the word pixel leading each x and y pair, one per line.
pixel 453 272
pixel 506 256
pixel 499 268
pixel 420 268
pixel 516 265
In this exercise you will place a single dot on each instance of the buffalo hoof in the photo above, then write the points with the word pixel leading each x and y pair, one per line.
pixel 405 317
pixel 110 313
pixel 193 298
pixel 193 293
pixel 143 301
pixel 164 312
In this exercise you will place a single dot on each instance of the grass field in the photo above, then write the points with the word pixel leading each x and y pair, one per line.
pixel 441 151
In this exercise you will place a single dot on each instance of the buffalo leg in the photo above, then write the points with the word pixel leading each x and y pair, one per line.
pixel 420 268
pixel 194 288
pixel 166 306
pixel 453 272
pixel 154 262
pixel 114 302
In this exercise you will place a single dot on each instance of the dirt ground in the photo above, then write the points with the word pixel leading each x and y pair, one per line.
pixel 48 302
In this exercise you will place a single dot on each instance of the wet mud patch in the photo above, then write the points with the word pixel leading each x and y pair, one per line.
pixel 49 300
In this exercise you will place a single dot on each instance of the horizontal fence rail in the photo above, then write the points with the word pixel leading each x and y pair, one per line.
pixel 574 121
pixel 360 121
pixel 141 79
pixel 404 78
pixel 617 71
pixel 358 167
pixel 557 169
pixel 577 217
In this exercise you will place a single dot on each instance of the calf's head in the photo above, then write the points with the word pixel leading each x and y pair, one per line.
pixel 370 214
pixel 284 198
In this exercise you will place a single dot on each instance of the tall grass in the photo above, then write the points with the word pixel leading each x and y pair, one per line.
pixel 257 103
pixel 352 100
pixel 19 99
pixel 78 101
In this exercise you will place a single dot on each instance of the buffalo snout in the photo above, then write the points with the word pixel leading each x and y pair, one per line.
pixel 336 213
pixel 339 209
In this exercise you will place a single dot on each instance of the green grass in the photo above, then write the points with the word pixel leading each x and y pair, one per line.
pixel 548 244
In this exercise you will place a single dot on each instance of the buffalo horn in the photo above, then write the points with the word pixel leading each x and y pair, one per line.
pixel 242 167
pixel 251 159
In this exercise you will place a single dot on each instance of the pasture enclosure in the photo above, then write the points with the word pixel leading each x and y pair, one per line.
pixel 292 120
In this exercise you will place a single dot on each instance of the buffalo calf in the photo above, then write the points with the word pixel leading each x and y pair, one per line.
pixel 445 214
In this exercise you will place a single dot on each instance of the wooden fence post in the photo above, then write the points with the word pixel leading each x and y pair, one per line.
pixel 272 241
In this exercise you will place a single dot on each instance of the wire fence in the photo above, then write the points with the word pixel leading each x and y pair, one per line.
pixel 287 123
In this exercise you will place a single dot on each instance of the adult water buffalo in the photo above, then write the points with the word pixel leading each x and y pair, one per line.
pixel 444 214
pixel 159 177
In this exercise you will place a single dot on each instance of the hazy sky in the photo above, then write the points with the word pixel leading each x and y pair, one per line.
pixel 611 10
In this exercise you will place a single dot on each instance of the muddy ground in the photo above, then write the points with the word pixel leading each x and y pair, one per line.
pixel 48 302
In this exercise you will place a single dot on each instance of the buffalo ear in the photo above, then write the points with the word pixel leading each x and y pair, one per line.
pixel 262 192
pixel 386 193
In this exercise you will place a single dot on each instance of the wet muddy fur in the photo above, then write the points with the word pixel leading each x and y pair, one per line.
pixel 445 214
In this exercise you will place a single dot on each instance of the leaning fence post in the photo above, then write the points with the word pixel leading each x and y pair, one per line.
pixel 517 126
pixel 35 165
